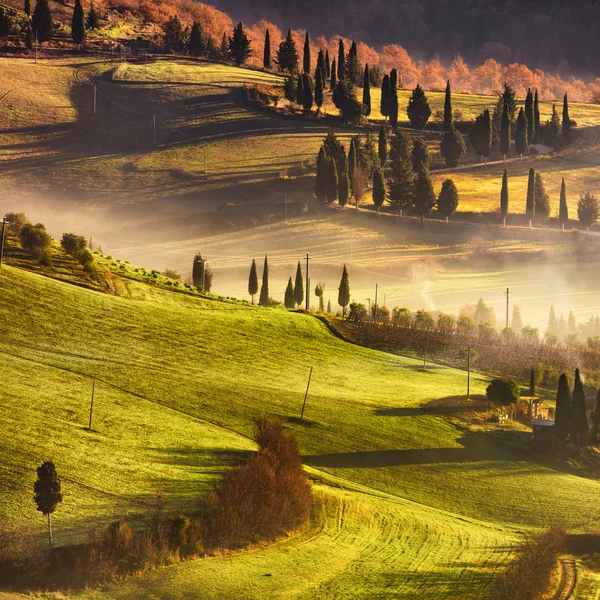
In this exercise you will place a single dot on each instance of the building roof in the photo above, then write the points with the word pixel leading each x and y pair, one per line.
pixel 543 423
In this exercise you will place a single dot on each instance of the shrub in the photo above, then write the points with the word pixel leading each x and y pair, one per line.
pixel 73 244
pixel 15 223
pixel 503 392
pixel 35 240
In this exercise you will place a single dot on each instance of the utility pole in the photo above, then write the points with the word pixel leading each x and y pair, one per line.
pixel 92 404
pixel 2 241
pixel 507 300
pixel 307 284
pixel 94 99
pixel 375 306
pixel 154 127
pixel 426 350
pixel 468 373
pixel 306 394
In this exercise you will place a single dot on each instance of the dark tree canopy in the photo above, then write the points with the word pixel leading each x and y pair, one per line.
pixel 503 392
pixel 382 146
pixel 253 281
pixel 563 408
pixel 424 199
pixel 41 21
pixel 563 211
pixel 264 288
pixel 78 24
pixel 504 196
pixel 579 426
pixel 530 203
pixel 306 63
pixel 287 55
pixel 267 63
pixel 521 139
pixel 418 109
pixel 542 200
pixel 344 291
pixel 379 189
pixel 298 286
pixel 448 118
pixel 420 155
pixel 481 134
pixel 288 299
pixel 453 146
pixel 588 210
pixel 239 45
pixel 367 91
pixel 448 199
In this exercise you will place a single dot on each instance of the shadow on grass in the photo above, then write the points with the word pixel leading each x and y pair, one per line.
pixel 444 406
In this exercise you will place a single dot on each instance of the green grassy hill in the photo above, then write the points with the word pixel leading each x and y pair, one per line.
pixel 179 380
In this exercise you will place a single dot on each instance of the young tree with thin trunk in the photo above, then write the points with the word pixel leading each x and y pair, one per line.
pixel 264 288
pixel 306 59
pixel 579 427
pixel 78 24
pixel 379 190
pixel 448 199
pixel 267 63
pixel 521 140
pixel 505 131
pixel 566 119
pixel 344 291
pixel 562 416
pixel 563 210
pixel 530 203
pixel 299 286
pixel 504 197
pixel 253 281
pixel 288 300
pixel 367 90
pixel 424 197
pixel 382 146
pixel 448 118
pixel 47 493
pixel 529 114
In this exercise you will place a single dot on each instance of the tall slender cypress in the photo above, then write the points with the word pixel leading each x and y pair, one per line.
pixel 379 190
pixel 530 204
pixel 579 427
pixel 344 291
pixel 288 300
pixel 536 118
pixel 521 141
pixel 424 197
pixel 306 61
pixel 566 119
pixel 332 182
pixel 321 69
pixel 319 90
pixel 505 131
pixel 563 211
pixel 253 281
pixel 27 7
pixel 267 63
pixel 367 90
pixel 385 96
pixel 333 74
pixel 327 63
pixel 530 117
pixel 504 197
pixel 341 62
pixel 352 160
pixel 343 182
pixel 264 288
pixel 41 21
pixel 563 409
pixel 299 286
pixel 322 176
pixel 78 24
pixel 448 119
pixel 300 90
pixel 382 149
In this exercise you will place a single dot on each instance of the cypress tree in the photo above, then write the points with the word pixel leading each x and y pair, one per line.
pixel 379 190
pixel 329 306
pixel 352 160
pixel 353 70
pixel 504 197
pixel 420 155
pixel 579 428
pixel 298 286
pixel 300 90
pixel 289 295
pixel 264 288
pixel 224 50
pixel 532 382
pixel 385 96
pixel 530 117
pixel 343 184
pixel 332 182
pixel 566 119
pixel 321 70
pixel 239 45
pixel 448 199
pixel 542 201
pixel 553 129
pixel 563 211
pixel 536 118
pixel 401 182
pixel 287 55
pixel 530 205
pixel 418 109
pixel 306 61
pixel 78 24
pixel 327 64
pixel 333 74
pixel 509 98
pixel 394 79
pixel 41 22
pixel 27 7
pixel 47 493
pixel 341 62
pixel 322 176
pixel 267 64
pixel 253 281
pixel 382 147
pixel 481 135
pixel 448 119
pixel 393 103
pixel 319 91
pixel 344 291
pixel 307 92
pixel 505 131
pixel 424 196
pixel 521 141
pixel 452 147
pixel 562 416
pixel 367 90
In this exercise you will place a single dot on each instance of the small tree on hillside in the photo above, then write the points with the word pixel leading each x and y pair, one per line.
pixel 420 155
pixel 448 118
pixel 452 147
pixel 306 62
pixel 264 288
pixel 481 135
pixel 596 421
pixel 78 24
pixel 299 286
pixel 521 140
pixel 341 62
pixel 366 100
pixel 579 427
pixel 288 299
pixel 529 114
pixel 401 182
pixel 319 96
pixel 290 88
pixel 253 281
pixel 542 201
pixel 503 392
pixel 197 42
pixel 553 131
pixel 418 109
pixel 393 99
pixel 202 276
pixel 267 63
pixel 344 291
pixel 504 198
pixel 322 176
pixel 424 196
pixel 384 106
pixel 300 90
pixel 239 45
pixel 92 22
pixel 224 49
pixel 566 119
pixel 530 204
pixel 173 35
pixel 563 210
pixel 47 493
pixel 448 199
pixel 588 210
pixel 41 21
pixel 333 77
pixel 36 241
pixel 379 191
pixel 287 55
pixel 505 131
pixel 332 181
pixel 307 93
pixel 536 118
pixel 344 98
pixel 563 409
pixel 382 147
